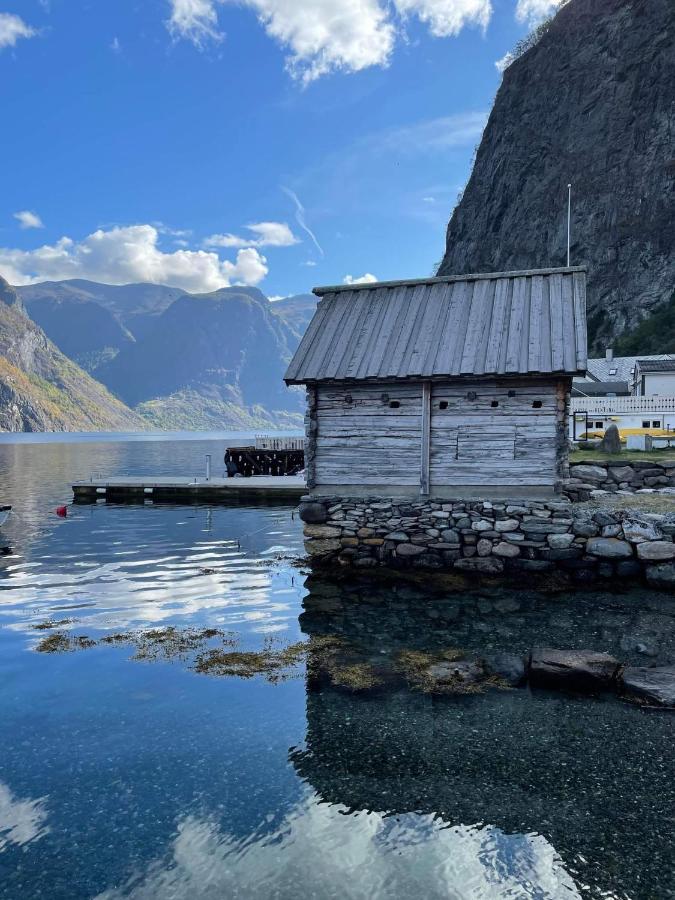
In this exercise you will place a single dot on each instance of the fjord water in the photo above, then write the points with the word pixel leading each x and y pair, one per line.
pixel 128 777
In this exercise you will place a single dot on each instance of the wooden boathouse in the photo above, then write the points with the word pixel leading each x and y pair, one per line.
pixel 442 387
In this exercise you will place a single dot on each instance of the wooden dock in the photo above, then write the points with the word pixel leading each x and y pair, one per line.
pixel 174 489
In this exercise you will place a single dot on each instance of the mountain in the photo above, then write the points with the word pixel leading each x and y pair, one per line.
pixel 591 102
pixel 296 312
pixel 210 360
pixel 42 390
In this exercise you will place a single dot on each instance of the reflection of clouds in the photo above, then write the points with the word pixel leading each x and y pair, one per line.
pixel 21 821
pixel 319 851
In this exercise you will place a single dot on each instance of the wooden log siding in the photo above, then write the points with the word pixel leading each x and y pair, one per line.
pixel 366 442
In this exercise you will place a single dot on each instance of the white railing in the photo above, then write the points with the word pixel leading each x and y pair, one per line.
pixel 616 405
pixel 266 442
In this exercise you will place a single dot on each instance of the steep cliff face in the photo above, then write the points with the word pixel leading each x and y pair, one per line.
pixel 42 390
pixel 592 103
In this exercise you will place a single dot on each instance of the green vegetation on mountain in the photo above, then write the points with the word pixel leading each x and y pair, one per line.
pixel 41 389
pixel 655 335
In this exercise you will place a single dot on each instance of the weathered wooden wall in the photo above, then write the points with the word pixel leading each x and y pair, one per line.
pixel 482 433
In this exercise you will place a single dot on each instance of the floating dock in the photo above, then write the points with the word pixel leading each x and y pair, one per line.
pixel 174 489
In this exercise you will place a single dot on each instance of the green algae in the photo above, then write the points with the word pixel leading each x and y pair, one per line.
pixel 60 642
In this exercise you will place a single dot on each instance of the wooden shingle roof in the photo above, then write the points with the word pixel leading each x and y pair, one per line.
pixel 502 323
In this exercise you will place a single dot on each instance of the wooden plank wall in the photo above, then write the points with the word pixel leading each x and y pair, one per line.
pixel 472 442
pixel 366 441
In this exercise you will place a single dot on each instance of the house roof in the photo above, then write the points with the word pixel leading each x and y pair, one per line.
pixel 619 368
pixel 599 388
pixel 656 365
pixel 501 323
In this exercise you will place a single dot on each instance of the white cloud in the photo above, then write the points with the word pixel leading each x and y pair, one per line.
pixel 28 219
pixel 265 234
pixel 194 20
pixel 121 255
pixel 502 64
pixel 21 821
pixel 361 279
pixel 115 45
pixel 301 218
pixel 447 17
pixel 323 36
pixel 533 11
pixel 12 29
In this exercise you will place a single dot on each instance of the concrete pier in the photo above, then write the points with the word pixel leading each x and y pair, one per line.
pixel 176 489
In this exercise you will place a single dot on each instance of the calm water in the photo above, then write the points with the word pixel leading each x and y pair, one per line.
pixel 129 774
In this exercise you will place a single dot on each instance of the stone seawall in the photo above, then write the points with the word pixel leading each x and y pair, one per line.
pixel 492 539
pixel 591 480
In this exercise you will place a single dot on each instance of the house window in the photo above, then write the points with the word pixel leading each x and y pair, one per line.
pixel 645 424
pixel 656 423
pixel 394 404
pixel 494 404
pixel 443 404
pixel 536 404
pixel 599 425
pixel 612 371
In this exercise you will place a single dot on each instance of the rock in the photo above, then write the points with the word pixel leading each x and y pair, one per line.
pixel 482 525
pixel 507 525
pixel 440 514
pixel 484 547
pixel 609 548
pixel 322 531
pixel 656 550
pixel 459 673
pixel 348 541
pixel 604 518
pixel 560 541
pixel 397 536
pixel 573 668
pixel 628 568
pixel 410 550
pixel 313 513
pixel 319 547
pixel 655 685
pixel 505 549
pixel 589 473
pixel 661 576
pixel 621 473
pixel 485 565
pixel 364 532
pixel 637 530
pixel 611 530
pixel 508 666
pixel 611 442
pixel 450 536
pixel 545 526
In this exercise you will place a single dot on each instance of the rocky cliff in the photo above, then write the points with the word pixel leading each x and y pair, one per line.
pixel 42 390
pixel 591 103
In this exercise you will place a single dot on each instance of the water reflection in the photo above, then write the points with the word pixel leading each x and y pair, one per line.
pixel 327 852
pixel 21 820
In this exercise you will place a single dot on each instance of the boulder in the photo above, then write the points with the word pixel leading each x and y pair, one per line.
pixel 506 525
pixel 638 530
pixel 322 531
pixel 410 550
pixel 482 525
pixel 560 541
pixel 609 548
pixel 313 513
pixel 661 576
pixel 657 551
pixel 611 442
pixel 621 473
pixel 589 473
pixel 450 536
pixel 505 549
pixel 573 668
pixel 655 685
pixel 507 666
pixel 584 528
pixel 318 547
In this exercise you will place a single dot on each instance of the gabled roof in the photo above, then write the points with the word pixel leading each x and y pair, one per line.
pixel 600 388
pixel 656 365
pixel 501 323
pixel 619 368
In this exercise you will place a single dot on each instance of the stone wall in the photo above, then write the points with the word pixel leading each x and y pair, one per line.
pixel 592 480
pixel 491 539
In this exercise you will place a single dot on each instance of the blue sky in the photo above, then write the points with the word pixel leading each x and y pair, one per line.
pixel 143 137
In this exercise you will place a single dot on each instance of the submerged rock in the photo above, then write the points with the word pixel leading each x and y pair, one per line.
pixel 507 666
pixel 654 685
pixel 573 668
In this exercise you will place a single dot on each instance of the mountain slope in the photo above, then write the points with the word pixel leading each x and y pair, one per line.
pixel 296 312
pixel 592 103
pixel 209 360
pixel 42 390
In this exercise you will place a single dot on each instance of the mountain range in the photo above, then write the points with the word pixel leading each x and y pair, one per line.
pixel 146 356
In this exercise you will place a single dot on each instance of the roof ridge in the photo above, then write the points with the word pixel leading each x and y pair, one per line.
pixel 440 279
